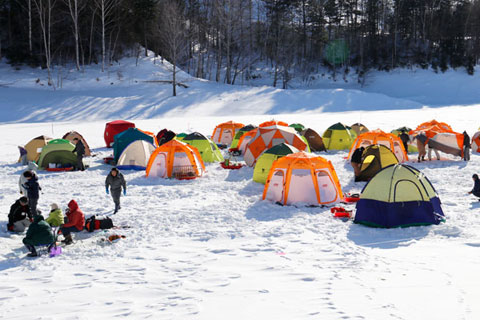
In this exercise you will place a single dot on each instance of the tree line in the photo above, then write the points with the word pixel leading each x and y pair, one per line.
pixel 226 40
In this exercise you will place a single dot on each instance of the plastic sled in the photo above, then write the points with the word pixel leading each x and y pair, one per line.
pixel 231 165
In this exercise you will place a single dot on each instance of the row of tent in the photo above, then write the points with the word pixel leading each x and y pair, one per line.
pixel 45 151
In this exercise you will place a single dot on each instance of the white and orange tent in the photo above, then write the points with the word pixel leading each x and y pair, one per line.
pixel 224 132
pixel 245 139
pixel 175 159
pixel 476 142
pixel 272 123
pixel 441 137
pixel 302 177
pixel 267 137
pixel 379 137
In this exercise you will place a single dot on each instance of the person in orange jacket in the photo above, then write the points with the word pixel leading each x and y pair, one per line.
pixel 75 221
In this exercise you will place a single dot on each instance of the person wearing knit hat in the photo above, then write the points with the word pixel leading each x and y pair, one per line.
pixel 55 218
pixel 476 187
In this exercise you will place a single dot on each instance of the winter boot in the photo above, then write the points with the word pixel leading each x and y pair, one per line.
pixel 68 240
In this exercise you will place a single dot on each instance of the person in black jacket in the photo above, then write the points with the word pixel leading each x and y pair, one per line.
pixel 20 216
pixel 33 192
pixel 476 187
pixel 356 160
pixel 466 146
pixel 405 140
pixel 80 150
pixel 115 181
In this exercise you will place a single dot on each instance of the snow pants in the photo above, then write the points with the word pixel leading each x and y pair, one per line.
pixel 20 226
pixel 116 197
pixel 32 202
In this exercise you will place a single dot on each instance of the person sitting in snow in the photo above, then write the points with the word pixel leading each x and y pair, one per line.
pixel 476 187
pixel 356 161
pixel 55 218
pixel 75 222
pixel 20 216
pixel 38 233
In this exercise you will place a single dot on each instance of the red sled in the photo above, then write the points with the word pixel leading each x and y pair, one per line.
pixel 108 160
pixel 59 169
pixel 339 212
pixel 231 166
pixel 351 198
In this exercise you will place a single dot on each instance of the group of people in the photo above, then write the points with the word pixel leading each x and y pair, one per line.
pixel 24 214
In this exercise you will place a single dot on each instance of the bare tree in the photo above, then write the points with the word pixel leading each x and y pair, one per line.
pixel 74 7
pixel 106 8
pixel 44 9
pixel 173 36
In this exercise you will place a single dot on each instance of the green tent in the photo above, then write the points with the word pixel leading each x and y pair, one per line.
pixel 208 150
pixel 338 137
pixel 239 134
pixel 298 126
pixel 180 136
pixel 265 161
pixel 59 152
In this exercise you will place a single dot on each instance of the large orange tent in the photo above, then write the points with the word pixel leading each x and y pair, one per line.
pixel 379 137
pixel 245 139
pixel 272 123
pixel 302 177
pixel 476 142
pixel 224 132
pixel 441 137
pixel 175 159
pixel 268 137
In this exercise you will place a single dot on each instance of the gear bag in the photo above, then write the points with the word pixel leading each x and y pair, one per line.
pixel 93 223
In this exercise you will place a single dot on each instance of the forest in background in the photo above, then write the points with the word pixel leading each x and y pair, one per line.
pixel 226 40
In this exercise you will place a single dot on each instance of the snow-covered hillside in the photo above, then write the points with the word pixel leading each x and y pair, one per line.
pixel 131 90
pixel 210 248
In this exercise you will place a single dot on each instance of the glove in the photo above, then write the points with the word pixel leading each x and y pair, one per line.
pixel 10 227
pixel 106 190
pixel 124 192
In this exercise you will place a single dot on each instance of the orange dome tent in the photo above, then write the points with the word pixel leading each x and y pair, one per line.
pixel 268 137
pixel 245 139
pixel 175 159
pixel 302 177
pixel 476 142
pixel 272 123
pixel 224 132
pixel 379 137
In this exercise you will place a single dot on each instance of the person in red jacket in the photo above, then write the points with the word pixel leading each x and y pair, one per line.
pixel 75 221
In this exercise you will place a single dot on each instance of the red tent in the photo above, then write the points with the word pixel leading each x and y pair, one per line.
pixel 115 127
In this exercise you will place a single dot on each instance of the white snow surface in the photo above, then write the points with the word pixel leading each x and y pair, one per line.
pixel 210 248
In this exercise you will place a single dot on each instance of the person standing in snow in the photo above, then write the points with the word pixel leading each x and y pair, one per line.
pixel 421 141
pixel 115 181
pixel 75 221
pixel 80 150
pixel 466 146
pixel 39 233
pixel 20 216
pixel 405 140
pixel 33 191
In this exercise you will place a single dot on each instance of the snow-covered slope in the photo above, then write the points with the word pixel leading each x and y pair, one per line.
pixel 131 90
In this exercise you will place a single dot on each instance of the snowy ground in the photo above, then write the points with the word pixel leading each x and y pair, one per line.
pixel 210 248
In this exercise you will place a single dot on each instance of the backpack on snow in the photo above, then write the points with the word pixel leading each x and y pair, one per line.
pixel 92 223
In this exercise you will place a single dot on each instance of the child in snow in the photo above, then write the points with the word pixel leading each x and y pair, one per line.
pixel 20 216
pixel 55 218
pixel 33 191
pixel 476 187
pixel 39 233
pixel 75 221
pixel 116 181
